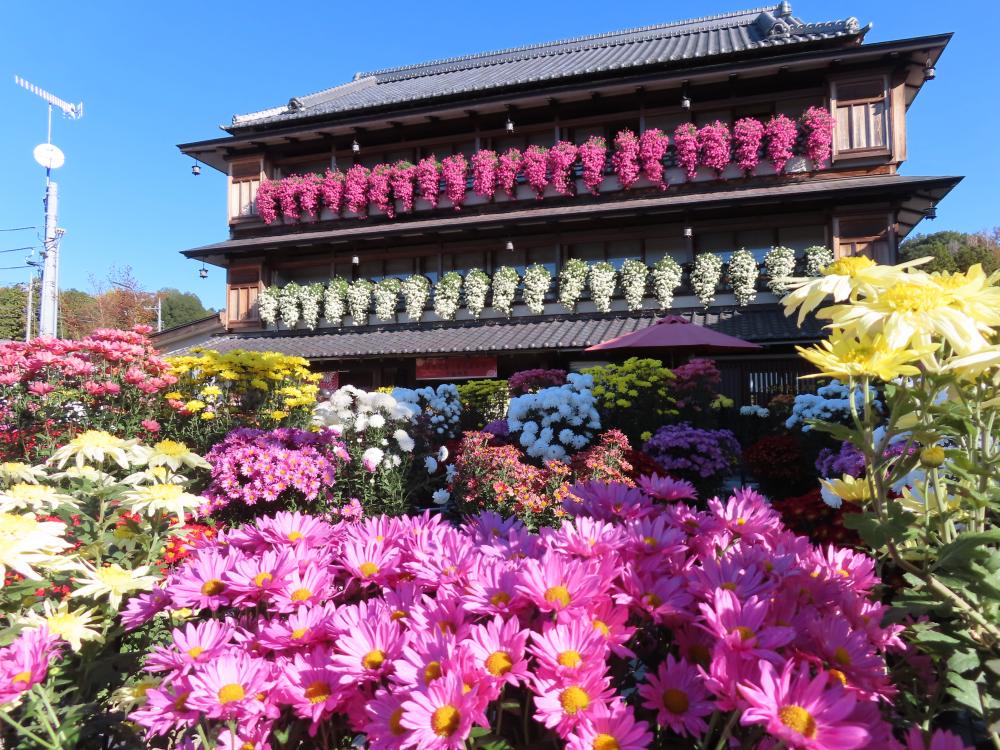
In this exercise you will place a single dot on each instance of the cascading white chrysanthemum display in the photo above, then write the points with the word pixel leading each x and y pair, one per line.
pixel 666 277
pixel 634 275
pixel 415 289
pixel 448 295
pixel 311 302
pixel 779 264
pixel 817 258
pixel 602 280
pixel 554 422
pixel 268 302
pixel 705 277
pixel 537 281
pixel 386 297
pixel 505 282
pixel 289 302
pixel 335 300
pixel 572 282
pixel 475 289
pixel 743 275
pixel 359 300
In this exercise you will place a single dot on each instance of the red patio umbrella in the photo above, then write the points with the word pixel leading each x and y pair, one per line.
pixel 675 332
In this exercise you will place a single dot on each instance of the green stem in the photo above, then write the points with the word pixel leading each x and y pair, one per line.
pixel 727 730
pixel 24 731
pixel 51 713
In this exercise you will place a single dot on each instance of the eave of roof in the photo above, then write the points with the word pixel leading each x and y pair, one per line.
pixel 764 324
pixel 582 207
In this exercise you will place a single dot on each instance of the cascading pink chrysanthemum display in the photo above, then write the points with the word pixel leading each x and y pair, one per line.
pixel 593 156
pixel 484 173
pixel 686 149
pixel 265 201
pixel 562 157
pixel 356 190
pixel 625 158
pixel 428 176
pixel 653 144
pixel 535 166
pixel 748 137
pixel 380 190
pixel 715 146
pixel 817 122
pixel 455 171
pixel 780 133
pixel 509 165
pixel 401 179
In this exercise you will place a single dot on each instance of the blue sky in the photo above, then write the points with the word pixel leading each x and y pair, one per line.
pixel 154 74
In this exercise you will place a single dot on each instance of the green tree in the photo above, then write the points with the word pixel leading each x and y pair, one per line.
pixel 181 307
pixel 954 251
pixel 13 300
pixel 78 314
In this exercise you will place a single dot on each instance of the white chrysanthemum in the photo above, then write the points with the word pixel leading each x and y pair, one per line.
pixel 404 440
pixel 162 498
pixel 94 446
pixel 16 471
pixel 169 453
pixel 74 627
pixel 25 542
pixel 113 581
pixel 34 497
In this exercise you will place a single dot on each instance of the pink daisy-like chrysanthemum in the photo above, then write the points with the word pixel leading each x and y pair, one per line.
pixel 442 614
pixel 166 708
pixel 584 537
pixel 564 704
pixel 257 576
pixel 607 501
pixel 310 686
pixel 303 627
pixel 197 643
pixel 440 716
pixel 729 573
pixel 498 648
pixel 424 659
pixel 746 514
pixel 940 740
pixel 846 566
pixel 667 488
pixel 232 686
pixel 611 622
pixel 656 537
pixel 665 599
pixel 310 585
pixel 489 528
pixel 385 730
pixel 284 529
pixel 492 589
pixel 366 654
pixel 448 562
pixel 803 712
pixel 848 655
pixel 371 561
pixel 144 607
pixel 201 583
pixel 677 693
pixel 568 649
pixel 555 583
pixel 25 662
pixel 742 625
pixel 611 727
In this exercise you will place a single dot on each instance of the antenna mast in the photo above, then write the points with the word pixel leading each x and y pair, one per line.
pixel 50 157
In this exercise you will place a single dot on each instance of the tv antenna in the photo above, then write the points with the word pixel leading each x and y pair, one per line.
pixel 51 157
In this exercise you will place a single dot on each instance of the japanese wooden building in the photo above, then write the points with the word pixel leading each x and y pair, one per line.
pixel 753 63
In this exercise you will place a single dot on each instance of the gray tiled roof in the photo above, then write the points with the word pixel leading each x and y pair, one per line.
pixel 678 43
pixel 556 332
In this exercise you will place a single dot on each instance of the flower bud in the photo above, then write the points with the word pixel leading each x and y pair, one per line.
pixel 932 456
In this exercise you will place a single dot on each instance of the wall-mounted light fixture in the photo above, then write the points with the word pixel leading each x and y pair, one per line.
pixel 196 168
pixel 355 260
pixel 929 72
pixel 203 272
pixel 509 126
pixel 509 245
pixel 685 102
pixel 688 231
pixel 931 213
pixel 355 146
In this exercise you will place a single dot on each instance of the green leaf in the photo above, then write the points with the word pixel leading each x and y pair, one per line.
pixel 965 692
pixel 963 661
pixel 967 547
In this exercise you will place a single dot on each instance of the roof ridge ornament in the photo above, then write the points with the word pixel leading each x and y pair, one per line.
pixel 784 9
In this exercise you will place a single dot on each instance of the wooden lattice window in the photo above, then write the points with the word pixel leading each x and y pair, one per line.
pixel 861 109
pixel 870 236
pixel 242 288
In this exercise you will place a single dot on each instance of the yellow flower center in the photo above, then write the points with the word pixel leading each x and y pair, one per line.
pixel 213 587
pixel 24 677
pixel 798 719
pixel 317 692
pixel 500 597
pixel 195 651
pixel 231 693
pixel 569 659
pixel 248 745
pixel 499 663
pixel 301 595
pixel 398 615
pixel 445 721
pixel 180 702
pixel 605 742
pixel 649 541
pixel 373 659
pixel 261 578
pixel 170 448
pixel 675 701
pixel 728 586
pixel 602 627
pixel 294 536
pixel 574 699
pixel 368 569
pixel 431 672
pixel 836 674
pixel 745 633
pixel 741 522
pixel 299 633
pixel 842 657
pixel 848 266
pixel 557 595
pixel 652 600
pixel 911 298
pixel 395 722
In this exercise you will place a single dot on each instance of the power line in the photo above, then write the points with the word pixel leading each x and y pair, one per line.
pixel 17 229
pixel 15 249
pixel 11 268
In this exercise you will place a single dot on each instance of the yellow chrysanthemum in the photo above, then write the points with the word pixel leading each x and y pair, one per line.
pixel 848 488
pixel 845 356
pixel 169 453
pixel 194 406
pixel 94 446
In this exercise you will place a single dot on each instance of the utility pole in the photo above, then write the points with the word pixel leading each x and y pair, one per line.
pixel 50 157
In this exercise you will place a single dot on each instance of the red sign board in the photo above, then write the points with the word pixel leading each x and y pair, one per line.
pixel 456 368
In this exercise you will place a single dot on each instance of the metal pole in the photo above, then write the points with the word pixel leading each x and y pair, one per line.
pixel 50 271
pixel 29 312
pixel 159 313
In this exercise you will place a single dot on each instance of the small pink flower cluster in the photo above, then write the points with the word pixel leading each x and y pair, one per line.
pixel 562 156
pixel 401 179
pixel 748 136
pixel 534 164
pixel 380 189
pixel 715 146
pixel 781 135
pixel 818 125
pixel 331 190
pixel 530 381
pixel 484 173
pixel 25 662
pixel 625 159
pixel 413 631
pixel 256 466
pixel 686 149
pixel 653 144
pixel 509 165
pixel 593 156
pixel 455 169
